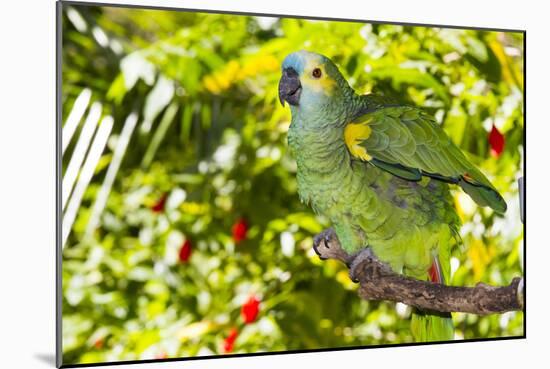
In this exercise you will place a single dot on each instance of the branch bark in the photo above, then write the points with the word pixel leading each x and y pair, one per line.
pixel 378 282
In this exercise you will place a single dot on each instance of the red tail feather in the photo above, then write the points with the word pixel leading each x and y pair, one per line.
pixel 435 273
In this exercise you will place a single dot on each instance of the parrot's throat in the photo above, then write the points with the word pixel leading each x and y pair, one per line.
pixel 322 160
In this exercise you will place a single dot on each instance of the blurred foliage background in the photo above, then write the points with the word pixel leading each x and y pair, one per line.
pixel 183 234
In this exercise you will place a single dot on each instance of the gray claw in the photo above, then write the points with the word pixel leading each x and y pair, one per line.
pixel 327 241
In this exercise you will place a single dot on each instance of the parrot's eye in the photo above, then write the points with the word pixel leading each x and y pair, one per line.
pixel 317 73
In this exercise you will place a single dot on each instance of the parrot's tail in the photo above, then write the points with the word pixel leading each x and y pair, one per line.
pixel 432 326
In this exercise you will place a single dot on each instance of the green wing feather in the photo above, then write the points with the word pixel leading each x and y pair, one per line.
pixel 406 141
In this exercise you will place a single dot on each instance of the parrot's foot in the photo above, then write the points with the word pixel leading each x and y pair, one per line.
pixel 326 245
pixel 357 260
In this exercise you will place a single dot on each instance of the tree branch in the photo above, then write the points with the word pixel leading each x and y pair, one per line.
pixel 378 282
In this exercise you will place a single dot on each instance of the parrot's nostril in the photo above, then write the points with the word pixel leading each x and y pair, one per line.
pixel 290 72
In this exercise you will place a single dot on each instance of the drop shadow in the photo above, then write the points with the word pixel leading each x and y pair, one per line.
pixel 46 358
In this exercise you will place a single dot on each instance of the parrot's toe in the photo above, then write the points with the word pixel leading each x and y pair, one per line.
pixel 321 244
pixel 326 245
pixel 358 259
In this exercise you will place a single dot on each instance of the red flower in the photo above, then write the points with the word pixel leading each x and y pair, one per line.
pixel 98 344
pixel 161 355
pixel 250 309
pixel 185 251
pixel 229 341
pixel 496 141
pixel 159 206
pixel 239 230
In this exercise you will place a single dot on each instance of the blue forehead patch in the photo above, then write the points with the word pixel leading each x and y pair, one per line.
pixel 295 61
pixel 299 59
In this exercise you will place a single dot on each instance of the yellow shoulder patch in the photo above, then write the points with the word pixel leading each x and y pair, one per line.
pixel 354 134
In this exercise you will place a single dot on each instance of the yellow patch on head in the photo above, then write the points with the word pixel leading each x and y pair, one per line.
pixel 354 135
pixel 323 84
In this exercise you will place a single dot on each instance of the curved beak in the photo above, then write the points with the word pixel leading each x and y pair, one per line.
pixel 290 87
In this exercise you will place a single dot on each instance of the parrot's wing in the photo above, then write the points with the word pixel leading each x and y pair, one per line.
pixel 408 143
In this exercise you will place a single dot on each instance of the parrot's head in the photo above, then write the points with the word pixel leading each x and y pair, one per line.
pixel 311 82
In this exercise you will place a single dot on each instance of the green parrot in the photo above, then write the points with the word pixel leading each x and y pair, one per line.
pixel 380 172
